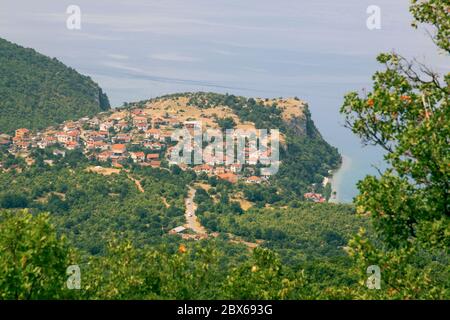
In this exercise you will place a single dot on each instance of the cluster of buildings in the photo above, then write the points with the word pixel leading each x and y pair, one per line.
pixel 314 197
pixel 121 137
pixel 106 139
pixel 230 173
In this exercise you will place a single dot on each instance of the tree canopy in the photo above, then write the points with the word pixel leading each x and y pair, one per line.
pixel 407 113
pixel 38 91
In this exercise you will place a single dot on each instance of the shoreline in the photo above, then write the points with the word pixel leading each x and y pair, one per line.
pixel 336 179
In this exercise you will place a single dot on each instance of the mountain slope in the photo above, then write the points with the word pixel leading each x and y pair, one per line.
pixel 37 91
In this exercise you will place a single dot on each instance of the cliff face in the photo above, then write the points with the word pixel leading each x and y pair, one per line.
pixel 298 125
pixel 297 116
pixel 294 113
pixel 308 126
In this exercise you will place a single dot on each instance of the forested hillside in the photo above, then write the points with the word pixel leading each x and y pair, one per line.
pixel 37 91
pixel 91 208
pixel 106 220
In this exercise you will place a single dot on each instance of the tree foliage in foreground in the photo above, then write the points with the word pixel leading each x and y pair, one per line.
pixel 33 260
pixel 407 113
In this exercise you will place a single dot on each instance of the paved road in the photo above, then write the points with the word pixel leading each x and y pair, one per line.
pixel 191 219
pixel 193 223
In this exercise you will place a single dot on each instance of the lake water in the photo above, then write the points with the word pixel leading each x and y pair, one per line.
pixel 316 50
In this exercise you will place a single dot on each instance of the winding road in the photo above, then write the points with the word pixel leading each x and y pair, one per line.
pixel 193 223
pixel 191 219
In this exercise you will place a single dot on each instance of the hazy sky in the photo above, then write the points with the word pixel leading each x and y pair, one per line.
pixel 135 49
pixel 251 47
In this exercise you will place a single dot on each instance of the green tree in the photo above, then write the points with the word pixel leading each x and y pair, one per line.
pixel 435 13
pixel 12 200
pixel 263 277
pixel 38 91
pixel 129 273
pixel 407 113
pixel 226 123
pixel 33 259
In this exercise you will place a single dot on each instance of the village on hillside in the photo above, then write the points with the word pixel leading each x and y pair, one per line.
pixel 140 136
pixel 119 138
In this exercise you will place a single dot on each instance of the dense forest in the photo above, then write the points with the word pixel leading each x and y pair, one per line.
pixel 104 222
pixel 91 208
pixel 37 91
pixel 102 218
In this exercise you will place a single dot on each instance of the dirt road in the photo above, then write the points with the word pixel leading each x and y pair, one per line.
pixel 137 183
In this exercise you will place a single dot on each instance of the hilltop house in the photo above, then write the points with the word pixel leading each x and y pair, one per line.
pixel 118 149
pixel 122 137
pixel 46 142
pixel 140 123
pixel 153 134
pixel 105 126
pixel 97 145
pixel 229 176
pixel 153 145
pixel 71 145
pixel 205 168
pixel 74 135
pixel 137 156
pixel 62 137
pixel 70 126
pixel 155 164
pixel 315 197
pixel 22 145
pixel 152 156
pixel 22 133
pixel 104 156
pixel 120 126
pixel 253 179
pixel 137 112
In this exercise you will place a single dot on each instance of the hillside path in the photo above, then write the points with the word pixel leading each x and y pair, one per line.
pixel 137 183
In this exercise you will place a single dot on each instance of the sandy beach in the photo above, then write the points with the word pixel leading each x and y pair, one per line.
pixel 337 181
